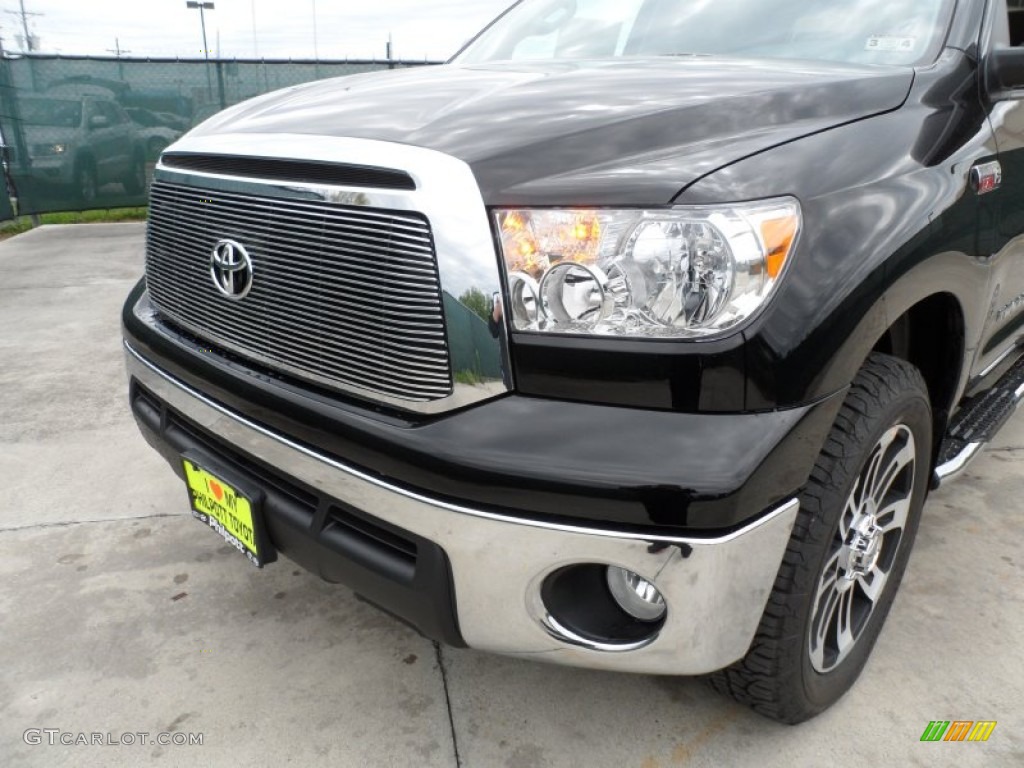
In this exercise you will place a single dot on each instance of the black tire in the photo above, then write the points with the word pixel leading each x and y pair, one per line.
pixel 86 189
pixel 778 677
pixel 135 183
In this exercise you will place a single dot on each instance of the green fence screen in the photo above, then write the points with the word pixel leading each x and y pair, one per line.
pixel 468 334
pixel 81 133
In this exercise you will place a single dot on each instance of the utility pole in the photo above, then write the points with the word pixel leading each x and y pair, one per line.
pixel 29 44
pixel 117 50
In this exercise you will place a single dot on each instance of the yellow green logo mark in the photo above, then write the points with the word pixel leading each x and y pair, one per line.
pixel 958 730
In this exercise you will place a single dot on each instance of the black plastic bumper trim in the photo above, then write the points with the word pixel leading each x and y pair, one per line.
pixel 405 575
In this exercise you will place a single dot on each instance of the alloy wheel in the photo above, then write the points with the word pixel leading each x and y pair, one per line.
pixel 864 549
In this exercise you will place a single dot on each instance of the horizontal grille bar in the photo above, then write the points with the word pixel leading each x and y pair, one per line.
pixel 276 169
pixel 340 296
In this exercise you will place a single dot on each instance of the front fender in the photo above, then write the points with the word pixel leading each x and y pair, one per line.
pixel 889 220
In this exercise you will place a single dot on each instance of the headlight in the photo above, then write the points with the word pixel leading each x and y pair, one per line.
pixel 48 150
pixel 671 273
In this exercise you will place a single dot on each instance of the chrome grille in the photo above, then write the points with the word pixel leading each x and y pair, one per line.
pixel 347 297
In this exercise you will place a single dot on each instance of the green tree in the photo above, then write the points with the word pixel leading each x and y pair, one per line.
pixel 477 302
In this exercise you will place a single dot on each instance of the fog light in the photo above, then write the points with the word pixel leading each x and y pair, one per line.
pixel 635 595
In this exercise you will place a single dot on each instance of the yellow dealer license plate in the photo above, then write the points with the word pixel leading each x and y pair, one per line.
pixel 226 510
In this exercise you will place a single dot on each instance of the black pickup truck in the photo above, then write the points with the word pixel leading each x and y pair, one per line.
pixel 633 338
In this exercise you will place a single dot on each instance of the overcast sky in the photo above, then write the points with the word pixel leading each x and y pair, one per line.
pixel 283 28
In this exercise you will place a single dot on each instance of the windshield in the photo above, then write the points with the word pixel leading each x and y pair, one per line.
pixel 900 32
pixel 56 113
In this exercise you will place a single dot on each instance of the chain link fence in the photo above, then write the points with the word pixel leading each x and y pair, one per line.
pixel 84 132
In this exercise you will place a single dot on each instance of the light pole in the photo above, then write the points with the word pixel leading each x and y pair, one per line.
pixel 204 6
pixel 255 43
pixel 316 42
pixel 316 46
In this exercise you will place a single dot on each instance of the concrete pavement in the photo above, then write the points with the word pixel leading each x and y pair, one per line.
pixel 120 614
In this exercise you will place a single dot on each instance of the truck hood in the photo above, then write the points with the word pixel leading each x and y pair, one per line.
pixel 634 131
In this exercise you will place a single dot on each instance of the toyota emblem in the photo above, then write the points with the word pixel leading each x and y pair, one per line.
pixel 231 269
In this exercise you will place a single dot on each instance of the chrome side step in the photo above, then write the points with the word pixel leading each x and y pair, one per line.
pixel 956 465
pixel 977 423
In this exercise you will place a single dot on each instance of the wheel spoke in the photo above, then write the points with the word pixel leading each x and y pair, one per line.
pixel 848 516
pixel 844 625
pixel 866 482
pixel 873 583
pixel 899 462
pixel 826 614
pixel 829 577
pixel 817 655
pixel 894 516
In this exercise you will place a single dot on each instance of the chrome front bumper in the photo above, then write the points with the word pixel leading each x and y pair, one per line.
pixel 715 588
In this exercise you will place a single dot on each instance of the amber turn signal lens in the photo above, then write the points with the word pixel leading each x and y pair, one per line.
pixel 778 236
